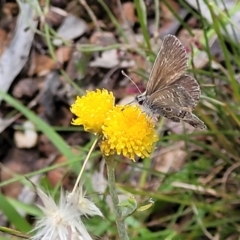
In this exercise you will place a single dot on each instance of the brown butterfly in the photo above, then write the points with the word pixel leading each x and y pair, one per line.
pixel 170 92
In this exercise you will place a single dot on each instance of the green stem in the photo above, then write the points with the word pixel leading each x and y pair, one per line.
pixel 113 192
pixel 84 165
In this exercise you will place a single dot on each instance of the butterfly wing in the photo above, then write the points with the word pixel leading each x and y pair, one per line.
pixel 170 64
pixel 191 86
pixel 171 97
pixel 175 115
pixel 177 101
pixel 184 94
pixel 193 120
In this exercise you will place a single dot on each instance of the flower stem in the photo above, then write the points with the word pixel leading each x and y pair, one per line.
pixel 84 165
pixel 113 192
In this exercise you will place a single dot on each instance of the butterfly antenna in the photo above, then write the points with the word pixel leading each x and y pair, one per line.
pixel 124 74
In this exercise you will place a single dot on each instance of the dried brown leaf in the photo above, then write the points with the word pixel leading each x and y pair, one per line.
pixel 63 54
pixel 41 65
pixel 3 40
pixel 25 88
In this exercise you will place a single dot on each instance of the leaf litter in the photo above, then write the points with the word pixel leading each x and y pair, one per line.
pixel 48 72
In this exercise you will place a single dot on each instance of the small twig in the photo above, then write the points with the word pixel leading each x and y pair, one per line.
pixel 208 234
pixel 84 165
pixel 126 25
pixel 227 173
pixel 157 18
pixel 91 14
pixel 196 188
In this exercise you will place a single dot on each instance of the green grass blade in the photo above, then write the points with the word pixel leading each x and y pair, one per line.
pixel 13 216
pixel 232 78
pixel 114 20
pixel 142 16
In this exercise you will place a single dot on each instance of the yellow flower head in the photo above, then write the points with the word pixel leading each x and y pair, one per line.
pixel 91 109
pixel 128 131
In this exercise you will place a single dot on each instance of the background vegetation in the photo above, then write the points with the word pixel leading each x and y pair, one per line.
pixel 193 176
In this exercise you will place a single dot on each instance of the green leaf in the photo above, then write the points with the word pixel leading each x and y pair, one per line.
pixel 13 216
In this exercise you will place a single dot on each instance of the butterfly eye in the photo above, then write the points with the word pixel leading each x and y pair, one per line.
pixel 140 99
